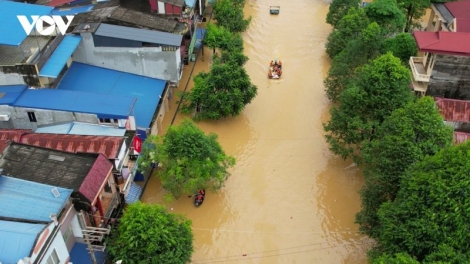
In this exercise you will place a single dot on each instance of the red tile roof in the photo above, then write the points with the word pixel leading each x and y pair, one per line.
pixel 454 43
pixel 95 179
pixel 14 135
pixel 460 9
pixel 106 145
pixel 461 137
pixel 454 110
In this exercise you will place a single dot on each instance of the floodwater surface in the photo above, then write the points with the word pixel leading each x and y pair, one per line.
pixel 288 199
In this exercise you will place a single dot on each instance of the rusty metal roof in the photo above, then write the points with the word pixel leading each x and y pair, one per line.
pixel 442 42
pixel 454 110
pixel 461 137
pixel 106 145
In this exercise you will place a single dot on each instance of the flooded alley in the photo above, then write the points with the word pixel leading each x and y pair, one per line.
pixel 288 200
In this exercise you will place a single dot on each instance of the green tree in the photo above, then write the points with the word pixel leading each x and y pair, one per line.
pixel 357 53
pixel 222 92
pixel 221 38
pixel 413 11
pixel 403 46
pixel 380 87
pixel 407 136
pixel 190 159
pixel 432 207
pixel 229 14
pixel 338 9
pixel 348 28
pixel 387 14
pixel 399 258
pixel 447 255
pixel 149 234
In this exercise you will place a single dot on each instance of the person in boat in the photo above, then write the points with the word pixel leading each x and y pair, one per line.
pixel 271 64
pixel 279 63
pixel 201 192
pixel 199 198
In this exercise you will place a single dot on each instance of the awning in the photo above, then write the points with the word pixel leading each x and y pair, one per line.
pixel 59 58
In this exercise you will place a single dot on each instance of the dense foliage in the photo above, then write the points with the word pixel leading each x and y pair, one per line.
pixel 149 234
pixel 407 136
pixel 221 38
pixel 229 14
pixel 380 87
pixel 190 159
pixel 402 46
pixel 429 217
pixel 387 14
pixel 338 9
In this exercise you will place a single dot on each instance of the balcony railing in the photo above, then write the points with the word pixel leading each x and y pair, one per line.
pixel 418 69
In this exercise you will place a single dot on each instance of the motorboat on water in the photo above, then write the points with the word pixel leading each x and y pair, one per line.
pixel 199 197
pixel 275 70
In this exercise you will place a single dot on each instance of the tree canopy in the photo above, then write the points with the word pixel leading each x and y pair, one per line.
pixel 413 10
pixel 221 38
pixel 402 46
pixel 407 136
pixel 338 9
pixel 429 217
pixel 229 14
pixel 387 14
pixel 380 87
pixel 356 53
pixel 349 27
pixel 190 159
pixel 149 234
pixel 222 92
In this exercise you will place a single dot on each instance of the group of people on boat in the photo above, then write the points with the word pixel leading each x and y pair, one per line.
pixel 199 197
pixel 275 69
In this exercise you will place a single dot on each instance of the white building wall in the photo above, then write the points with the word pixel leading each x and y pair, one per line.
pixel 60 248
pixel 147 61
pixel 11 78
pixel 56 244
pixel 77 230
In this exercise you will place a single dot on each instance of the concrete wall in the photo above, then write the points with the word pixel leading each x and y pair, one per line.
pixel 164 107
pixel 19 118
pixel 56 244
pixel 146 61
pixel 11 78
pixel 450 77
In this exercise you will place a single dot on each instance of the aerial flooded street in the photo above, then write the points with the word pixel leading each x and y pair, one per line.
pixel 288 200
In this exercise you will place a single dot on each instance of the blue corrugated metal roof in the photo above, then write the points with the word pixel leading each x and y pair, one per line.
pixel 17 240
pixel 87 78
pixel 10 93
pixel 29 200
pixel 72 10
pixel 11 32
pixel 79 128
pixel 103 105
pixel 58 59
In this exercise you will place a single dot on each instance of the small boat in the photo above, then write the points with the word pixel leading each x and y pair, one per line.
pixel 274 10
pixel 275 70
pixel 199 198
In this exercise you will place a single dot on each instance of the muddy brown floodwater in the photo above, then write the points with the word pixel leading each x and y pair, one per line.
pixel 288 200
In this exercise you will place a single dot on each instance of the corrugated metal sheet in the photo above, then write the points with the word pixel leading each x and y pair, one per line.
pixel 90 187
pixel 12 32
pixel 17 196
pixel 460 9
pixel 443 42
pixel 11 93
pixel 79 128
pixel 72 10
pixel 454 110
pixel 137 34
pixel 108 146
pixel 61 55
pixel 17 240
pixel 461 137
pixel 141 19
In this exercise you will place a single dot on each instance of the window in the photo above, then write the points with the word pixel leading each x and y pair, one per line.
pixel 32 117
pixel 53 258
pixel 68 233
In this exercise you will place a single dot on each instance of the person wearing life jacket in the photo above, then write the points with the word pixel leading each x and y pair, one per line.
pixel 199 198
pixel 201 192
pixel 279 63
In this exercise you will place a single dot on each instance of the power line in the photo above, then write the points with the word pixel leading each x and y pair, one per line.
pixel 245 256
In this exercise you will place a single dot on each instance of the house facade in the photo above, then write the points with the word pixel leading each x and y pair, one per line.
pixel 441 68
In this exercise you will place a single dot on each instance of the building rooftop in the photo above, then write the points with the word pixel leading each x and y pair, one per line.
pixel 11 32
pixel 103 105
pixel 106 145
pixel 444 12
pixel 17 240
pixel 148 91
pixel 46 166
pixel 179 3
pixel 25 52
pixel 442 42
pixel 91 186
pixel 27 200
pixel 60 56
pixel 459 9
pixel 65 11
pixel 454 110
pixel 9 93
pixel 79 128
pixel 137 34
pixel 141 19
